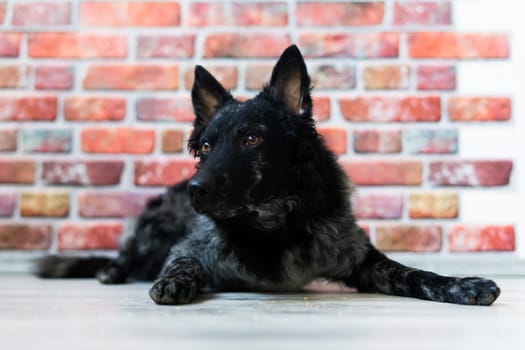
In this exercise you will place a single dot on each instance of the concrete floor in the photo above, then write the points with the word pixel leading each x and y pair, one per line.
pixel 81 314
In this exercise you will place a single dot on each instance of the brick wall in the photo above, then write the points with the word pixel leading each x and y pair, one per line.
pixel 95 112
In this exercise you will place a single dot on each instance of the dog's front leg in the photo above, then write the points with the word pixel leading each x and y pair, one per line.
pixel 378 273
pixel 179 282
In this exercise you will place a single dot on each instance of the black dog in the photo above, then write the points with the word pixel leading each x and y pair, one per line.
pixel 267 210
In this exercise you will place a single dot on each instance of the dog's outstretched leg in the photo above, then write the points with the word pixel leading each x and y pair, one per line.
pixel 380 274
pixel 179 282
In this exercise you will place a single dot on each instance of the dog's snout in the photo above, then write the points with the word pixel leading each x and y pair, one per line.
pixel 197 189
pixel 198 192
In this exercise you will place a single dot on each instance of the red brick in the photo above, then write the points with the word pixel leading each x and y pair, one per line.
pixel 227 75
pixel 7 203
pixel 8 140
pixel 94 108
pixel 422 13
pixel 68 45
pixel 391 109
pixel 433 205
pixel 387 77
pixel 53 77
pixel 479 109
pixel 436 77
pixel 409 238
pixel 85 236
pixel 470 173
pixel 82 172
pixel 172 141
pixel 245 45
pixel 477 238
pixel 50 203
pixel 25 236
pixel 205 14
pixel 128 13
pixel 43 13
pixel 458 45
pixel 332 77
pixel 165 46
pixel 132 77
pixel 9 44
pixel 163 172
pixel 256 75
pixel 121 140
pixel 177 109
pixel 13 76
pixel 377 141
pixel 321 108
pixel 383 172
pixel 339 13
pixel 335 139
pixel 355 45
pixel 112 204
pixel 377 206
pixel 17 171
pixel 41 108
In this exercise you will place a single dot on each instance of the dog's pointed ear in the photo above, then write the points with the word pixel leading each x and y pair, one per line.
pixel 207 95
pixel 290 82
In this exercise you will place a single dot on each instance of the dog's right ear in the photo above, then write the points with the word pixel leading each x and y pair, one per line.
pixel 290 82
pixel 207 95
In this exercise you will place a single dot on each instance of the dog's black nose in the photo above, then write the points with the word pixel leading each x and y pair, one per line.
pixel 198 194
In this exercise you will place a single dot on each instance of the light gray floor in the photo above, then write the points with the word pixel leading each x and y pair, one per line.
pixel 81 314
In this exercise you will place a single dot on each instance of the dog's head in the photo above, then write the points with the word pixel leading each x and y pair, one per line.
pixel 248 150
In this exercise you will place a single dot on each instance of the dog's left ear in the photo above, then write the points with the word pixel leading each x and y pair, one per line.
pixel 207 95
pixel 290 82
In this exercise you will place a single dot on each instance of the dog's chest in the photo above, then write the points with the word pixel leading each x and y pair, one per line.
pixel 285 272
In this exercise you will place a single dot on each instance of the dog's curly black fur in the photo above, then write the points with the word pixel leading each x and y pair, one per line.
pixel 268 209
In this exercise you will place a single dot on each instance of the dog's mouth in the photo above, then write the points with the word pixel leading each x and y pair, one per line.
pixel 267 216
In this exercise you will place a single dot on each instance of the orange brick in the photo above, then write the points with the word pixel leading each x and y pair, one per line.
pixel 132 77
pixel 172 141
pixel 50 203
pixel 458 45
pixel 409 238
pixel 121 140
pixel 391 109
pixel 28 108
pixel 383 172
pixel 129 13
pixel 86 236
pixel 17 171
pixel 387 77
pixel 94 108
pixel 163 172
pixel 477 238
pixel 25 236
pixel 245 45
pixel 433 205
pixel 68 45
pixel 335 139
pixel 479 109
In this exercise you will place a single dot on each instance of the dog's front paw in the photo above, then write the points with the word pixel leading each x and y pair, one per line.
pixel 170 291
pixel 474 291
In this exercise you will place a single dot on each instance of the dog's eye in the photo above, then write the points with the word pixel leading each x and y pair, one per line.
pixel 205 148
pixel 252 140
